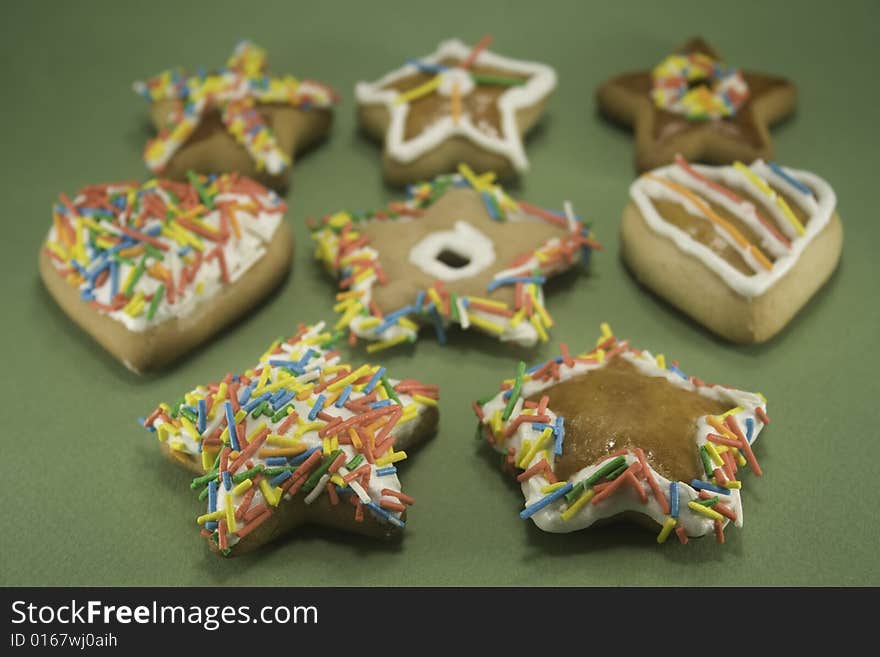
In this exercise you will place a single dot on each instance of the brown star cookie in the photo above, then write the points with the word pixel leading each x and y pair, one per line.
pixel 694 104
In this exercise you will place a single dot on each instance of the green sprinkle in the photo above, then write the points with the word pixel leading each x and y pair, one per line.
pixel 514 393
pixel 320 471
pixel 203 494
pixel 712 501
pixel 333 339
pixel 138 272
pixel 247 474
pixel 207 200
pixel 281 413
pixel 389 390
pixel 617 473
pixel 611 466
pixel 122 260
pixel 204 479
pixel 259 408
pixel 153 252
pixel 498 80
pixel 154 304
pixel 707 463
pixel 355 462
pixel 186 412
pixel 453 304
pixel 271 472
pixel 175 408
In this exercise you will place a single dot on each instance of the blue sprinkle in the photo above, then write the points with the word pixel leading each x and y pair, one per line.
pixel 212 496
pixel 438 326
pixel 87 295
pixel 299 458
pixel 141 421
pixel 211 525
pixel 381 403
pixel 114 278
pixel 279 402
pixel 540 426
pixel 182 252
pixel 246 393
pixel 376 378
pixel 420 299
pixel 490 206
pixel 511 280
pixel 227 480
pixel 230 422
pixel 425 67
pixel 673 368
pixel 794 182
pixel 343 397
pixel 319 404
pixel 203 411
pixel 673 499
pixel 274 461
pixel 287 364
pixel 750 429
pixel 384 515
pixel 535 368
pixel 280 478
pixel 529 511
pixel 381 472
pixel 253 403
pixel 560 435
pixel 705 485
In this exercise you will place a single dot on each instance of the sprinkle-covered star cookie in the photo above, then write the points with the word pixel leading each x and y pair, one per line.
pixel 459 104
pixel 300 438
pixel 617 431
pixel 151 270
pixel 696 104
pixel 235 119
pixel 458 251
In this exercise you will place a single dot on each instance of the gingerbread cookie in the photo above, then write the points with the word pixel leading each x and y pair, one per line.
pixel 740 249
pixel 300 438
pixel 459 104
pixel 696 104
pixel 458 251
pixel 236 119
pixel 618 432
pixel 152 270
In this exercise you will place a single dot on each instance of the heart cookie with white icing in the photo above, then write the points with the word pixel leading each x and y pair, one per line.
pixel 459 104
pixel 151 270
pixel 301 438
pixel 741 249
pixel 458 251
pixel 617 432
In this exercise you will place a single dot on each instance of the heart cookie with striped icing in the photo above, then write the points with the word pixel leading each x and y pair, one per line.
pixel 741 249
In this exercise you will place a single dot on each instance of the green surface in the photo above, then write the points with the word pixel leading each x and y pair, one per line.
pixel 88 500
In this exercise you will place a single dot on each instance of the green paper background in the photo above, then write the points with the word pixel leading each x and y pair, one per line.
pixel 88 500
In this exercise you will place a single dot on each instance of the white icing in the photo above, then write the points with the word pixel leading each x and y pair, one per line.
pixel 455 77
pixel 624 499
pixel 541 81
pixel 820 209
pixel 465 240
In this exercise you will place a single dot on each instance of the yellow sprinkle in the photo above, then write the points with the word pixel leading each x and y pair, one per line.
pixel 535 320
pixel 57 249
pixel 207 458
pixel 230 516
pixel 364 275
pixel 524 450
pixel 200 288
pixel 518 317
pixel 545 316
pixel 528 456
pixel 306 427
pixel 480 183
pixel 221 393
pixel 387 344
pixel 485 324
pixel 257 431
pixel 408 324
pixel 355 438
pixel 325 447
pixel 243 487
pixel 500 305
pixel 268 493
pixel 369 322
pixel 773 196
pixel 208 517
pixel 190 428
pixel 705 511
pixel 668 526
pixel 162 432
pixel 391 457
pixel 585 497
pixel 238 417
pixel 733 484
pixel 344 381
pixel 349 315
pixel 661 363
pixel 419 91
pixel 427 401
pixel 434 296
pixel 713 454
pixel 339 481
pixel 177 446
pixel 732 411
pixel 605 328
pixel 740 459
pixel 549 488
pixel 282 441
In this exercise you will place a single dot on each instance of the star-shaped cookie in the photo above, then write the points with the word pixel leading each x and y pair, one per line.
pixel 300 438
pixel 694 104
pixel 617 431
pixel 235 119
pixel 459 104
pixel 458 251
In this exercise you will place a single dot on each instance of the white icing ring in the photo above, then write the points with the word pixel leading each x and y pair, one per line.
pixel 463 240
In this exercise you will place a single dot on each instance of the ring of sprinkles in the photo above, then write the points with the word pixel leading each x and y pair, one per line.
pixel 698 87
pixel 460 92
pixel 235 91
pixel 509 306
pixel 146 253
pixel 299 428
pixel 593 465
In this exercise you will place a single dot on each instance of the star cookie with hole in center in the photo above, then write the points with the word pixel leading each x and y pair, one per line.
pixel 237 118
pixel 696 104
pixel 459 251
pixel 301 438
pixel 460 104
pixel 618 433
